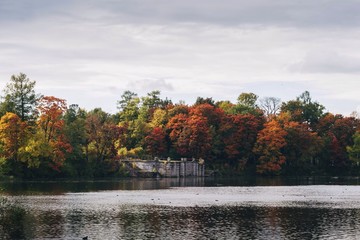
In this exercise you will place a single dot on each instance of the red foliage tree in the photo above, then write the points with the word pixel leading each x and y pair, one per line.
pixel 51 125
pixel 200 136
pixel 336 132
pixel 155 142
pixel 190 135
pixel 101 136
pixel 238 134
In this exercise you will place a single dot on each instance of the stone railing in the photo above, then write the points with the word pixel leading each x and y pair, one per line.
pixel 168 167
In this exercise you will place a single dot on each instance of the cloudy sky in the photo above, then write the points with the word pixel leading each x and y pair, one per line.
pixel 90 51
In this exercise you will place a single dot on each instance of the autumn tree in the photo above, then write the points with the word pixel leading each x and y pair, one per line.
pixel 155 142
pixel 200 138
pixel 238 135
pixel 160 118
pixel 178 109
pixel 13 136
pixel 50 119
pixel 336 132
pixel 269 146
pixel 48 145
pixel 20 97
pixel 325 124
pixel 302 145
pixel 341 135
pixel 192 134
pixel 178 133
pixel 101 140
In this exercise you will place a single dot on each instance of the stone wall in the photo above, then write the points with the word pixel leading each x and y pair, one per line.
pixel 167 168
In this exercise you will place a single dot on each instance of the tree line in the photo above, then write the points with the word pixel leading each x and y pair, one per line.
pixel 41 136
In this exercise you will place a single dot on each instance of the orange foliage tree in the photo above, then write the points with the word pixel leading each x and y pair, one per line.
pixel 190 135
pixel 268 147
pixel 13 133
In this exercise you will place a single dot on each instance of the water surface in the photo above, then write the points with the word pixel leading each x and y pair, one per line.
pixel 182 209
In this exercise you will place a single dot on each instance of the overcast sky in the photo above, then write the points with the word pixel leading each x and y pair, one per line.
pixel 90 51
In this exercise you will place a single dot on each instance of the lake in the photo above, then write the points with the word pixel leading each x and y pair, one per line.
pixel 192 208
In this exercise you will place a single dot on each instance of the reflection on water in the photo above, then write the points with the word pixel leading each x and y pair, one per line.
pixel 179 209
pixel 60 187
pixel 165 222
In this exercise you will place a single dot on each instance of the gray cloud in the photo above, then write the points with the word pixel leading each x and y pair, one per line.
pixel 234 12
pixel 327 62
pixel 295 13
pixel 150 84
pixel 210 48
pixel 23 10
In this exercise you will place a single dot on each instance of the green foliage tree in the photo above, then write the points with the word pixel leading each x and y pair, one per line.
pixel 354 150
pixel 20 97
pixel 312 111
pixel 236 137
pixel 74 130
pixel 246 103
pixel 152 100
pixel 247 100
pixel 226 106
pixel 201 100
pixel 126 97
pixel 129 106
pixel 303 109
pixel 150 103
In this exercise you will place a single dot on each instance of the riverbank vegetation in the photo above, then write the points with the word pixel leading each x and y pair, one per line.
pixel 41 136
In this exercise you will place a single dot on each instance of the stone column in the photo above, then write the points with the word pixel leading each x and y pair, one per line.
pixel 183 168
